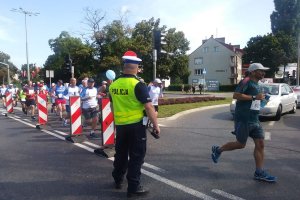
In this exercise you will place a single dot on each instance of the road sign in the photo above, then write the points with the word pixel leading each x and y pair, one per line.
pixel 49 73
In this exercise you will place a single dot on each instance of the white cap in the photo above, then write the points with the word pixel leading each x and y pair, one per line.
pixel 256 66
pixel 157 80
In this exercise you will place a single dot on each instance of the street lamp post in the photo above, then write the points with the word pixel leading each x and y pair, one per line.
pixel 8 78
pixel 21 10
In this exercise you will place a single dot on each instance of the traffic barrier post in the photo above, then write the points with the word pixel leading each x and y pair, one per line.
pixel 9 103
pixel 42 110
pixel 107 129
pixel 75 135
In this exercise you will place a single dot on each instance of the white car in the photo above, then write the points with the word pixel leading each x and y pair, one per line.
pixel 296 89
pixel 282 100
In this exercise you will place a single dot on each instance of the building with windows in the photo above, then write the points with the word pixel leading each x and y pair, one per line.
pixel 216 61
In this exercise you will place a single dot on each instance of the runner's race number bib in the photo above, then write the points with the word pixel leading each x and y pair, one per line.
pixel 255 105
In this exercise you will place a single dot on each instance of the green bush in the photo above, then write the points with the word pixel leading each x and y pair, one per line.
pixel 227 88
pixel 169 101
pixel 177 87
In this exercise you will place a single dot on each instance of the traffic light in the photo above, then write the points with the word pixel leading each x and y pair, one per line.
pixel 68 63
pixel 158 41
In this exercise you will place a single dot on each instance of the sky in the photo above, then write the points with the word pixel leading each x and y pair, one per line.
pixel 236 20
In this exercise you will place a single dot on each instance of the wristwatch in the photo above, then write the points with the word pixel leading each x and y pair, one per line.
pixel 253 98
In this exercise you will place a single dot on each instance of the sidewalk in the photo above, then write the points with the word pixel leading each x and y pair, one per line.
pixel 179 94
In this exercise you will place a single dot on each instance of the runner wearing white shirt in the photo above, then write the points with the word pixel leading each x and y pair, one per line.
pixel 89 105
pixel 72 90
pixel 3 90
pixel 155 93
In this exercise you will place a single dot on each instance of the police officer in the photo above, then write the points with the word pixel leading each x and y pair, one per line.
pixel 130 98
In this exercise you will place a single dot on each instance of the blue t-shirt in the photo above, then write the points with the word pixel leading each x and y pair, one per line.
pixel 242 109
pixel 59 91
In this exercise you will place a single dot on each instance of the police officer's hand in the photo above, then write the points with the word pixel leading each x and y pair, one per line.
pixel 157 129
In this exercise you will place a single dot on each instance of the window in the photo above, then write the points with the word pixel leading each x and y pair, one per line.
pixel 198 61
pixel 288 89
pixel 216 49
pixel 232 59
pixel 205 49
pixel 198 71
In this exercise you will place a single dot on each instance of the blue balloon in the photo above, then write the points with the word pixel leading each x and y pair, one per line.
pixel 110 74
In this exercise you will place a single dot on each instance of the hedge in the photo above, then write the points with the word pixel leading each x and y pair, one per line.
pixel 169 101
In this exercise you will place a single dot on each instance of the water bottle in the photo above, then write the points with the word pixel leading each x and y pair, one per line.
pixel 264 102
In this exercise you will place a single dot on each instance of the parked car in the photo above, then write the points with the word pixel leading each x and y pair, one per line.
pixel 282 100
pixel 296 89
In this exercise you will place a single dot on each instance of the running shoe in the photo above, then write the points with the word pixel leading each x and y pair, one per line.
pixel 92 134
pixel 65 123
pixel 215 155
pixel 264 176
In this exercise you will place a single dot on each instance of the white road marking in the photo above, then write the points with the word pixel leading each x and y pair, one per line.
pixel 60 132
pixel 171 183
pixel 145 165
pixel 153 167
pixel 84 147
pixel 178 186
pixel 267 135
pixel 271 123
pixel 22 121
pixel 92 144
pixel 226 195
pixel 53 134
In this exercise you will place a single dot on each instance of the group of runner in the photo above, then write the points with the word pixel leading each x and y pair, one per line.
pixel 58 94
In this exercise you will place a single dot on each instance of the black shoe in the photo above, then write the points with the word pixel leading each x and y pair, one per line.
pixel 33 117
pixel 118 186
pixel 138 193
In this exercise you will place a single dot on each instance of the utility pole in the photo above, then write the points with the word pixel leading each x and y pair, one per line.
pixel 154 63
pixel 25 12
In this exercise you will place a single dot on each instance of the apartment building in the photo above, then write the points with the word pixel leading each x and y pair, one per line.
pixel 217 61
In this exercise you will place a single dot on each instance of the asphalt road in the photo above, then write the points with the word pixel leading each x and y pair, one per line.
pixel 38 164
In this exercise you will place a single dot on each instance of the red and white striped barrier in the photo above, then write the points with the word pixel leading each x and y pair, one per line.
pixel 108 127
pixel 42 108
pixel 9 102
pixel 75 111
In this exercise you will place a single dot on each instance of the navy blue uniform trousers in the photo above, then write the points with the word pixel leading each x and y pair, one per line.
pixel 130 141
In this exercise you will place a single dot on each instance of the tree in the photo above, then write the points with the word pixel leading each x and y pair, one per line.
pixel 286 17
pixel 3 69
pixel 174 63
pixel 266 50
pixel 81 55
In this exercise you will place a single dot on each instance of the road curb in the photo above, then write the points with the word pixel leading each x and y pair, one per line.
pixel 180 114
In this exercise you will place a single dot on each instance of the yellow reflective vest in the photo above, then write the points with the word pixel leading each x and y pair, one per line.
pixel 127 109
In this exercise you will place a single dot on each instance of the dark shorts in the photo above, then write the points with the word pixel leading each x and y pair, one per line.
pixel 30 102
pixel 90 113
pixel 243 130
pixel 68 110
pixel 156 108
